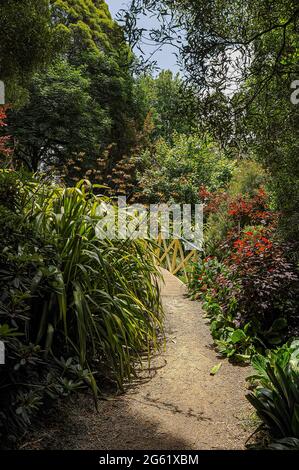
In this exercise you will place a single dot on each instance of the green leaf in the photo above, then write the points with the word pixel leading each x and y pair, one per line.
pixel 237 336
pixel 215 369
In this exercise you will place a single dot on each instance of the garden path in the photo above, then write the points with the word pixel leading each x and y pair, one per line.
pixel 176 404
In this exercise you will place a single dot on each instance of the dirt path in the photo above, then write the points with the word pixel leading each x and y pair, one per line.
pixel 179 406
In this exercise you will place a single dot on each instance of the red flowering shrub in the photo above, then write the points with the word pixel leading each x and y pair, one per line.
pixel 254 210
pixel 227 214
pixel 212 200
pixel 250 286
pixel 243 209
pixel 269 283
pixel 250 244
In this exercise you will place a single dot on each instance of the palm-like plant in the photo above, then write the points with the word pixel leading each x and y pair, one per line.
pixel 276 397
pixel 104 298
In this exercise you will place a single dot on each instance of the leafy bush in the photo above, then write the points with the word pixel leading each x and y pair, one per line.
pixel 28 377
pixel 8 189
pixel 174 172
pixel 251 295
pixel 74 309
pixel 244 201
pixel 269 283
pixel 249 286
pixel 219 295
pixel 229 215
pixel 247 178
pixel 276 394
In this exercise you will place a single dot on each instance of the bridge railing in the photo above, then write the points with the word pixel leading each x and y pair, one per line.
pixel 172 255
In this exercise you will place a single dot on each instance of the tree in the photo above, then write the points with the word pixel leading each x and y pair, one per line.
pixel 28 40
pixel 98 42
pixel 273 121
pixel 84 105
pixel 90 24
pixel 171 103
pixel 219 54
pixel 167 108
pixel 175 172
pixel 242 58
pixel 60 120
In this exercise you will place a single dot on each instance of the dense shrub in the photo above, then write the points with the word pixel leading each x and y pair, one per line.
pixel 74 310
pixel 254 289
pixel 27 376
pixel 276 394
pixel 243 201
pixel 249 286
pixel 174 172
pixel 249 283
pixel 269 283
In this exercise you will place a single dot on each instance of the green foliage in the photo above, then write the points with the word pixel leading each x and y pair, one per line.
pixel 97 43
pixel 60 120
pixel 276 394
pixel 266 122
pixel 83 106
pixel 74 309
pixel 28 40
pixel 215 369
pixel 103 293
pixel 287 443
pixel 251 296
pixel 246 179
pixel 243 77
pixel 89 24
pixel 8 189
pixel 276 147
pixel 174 172
pixel 249 285
pixel 171 103
pixel 25 376
pixel 213 34
pixel 220 303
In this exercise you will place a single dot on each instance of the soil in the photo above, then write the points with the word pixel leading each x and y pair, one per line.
pixel 176 404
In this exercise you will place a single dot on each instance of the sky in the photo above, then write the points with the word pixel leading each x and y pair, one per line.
pixel 165 58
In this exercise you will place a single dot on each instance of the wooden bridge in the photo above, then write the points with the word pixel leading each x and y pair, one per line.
pixel 173 256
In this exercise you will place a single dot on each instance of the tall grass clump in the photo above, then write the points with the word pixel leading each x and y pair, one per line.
pixel 87 308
